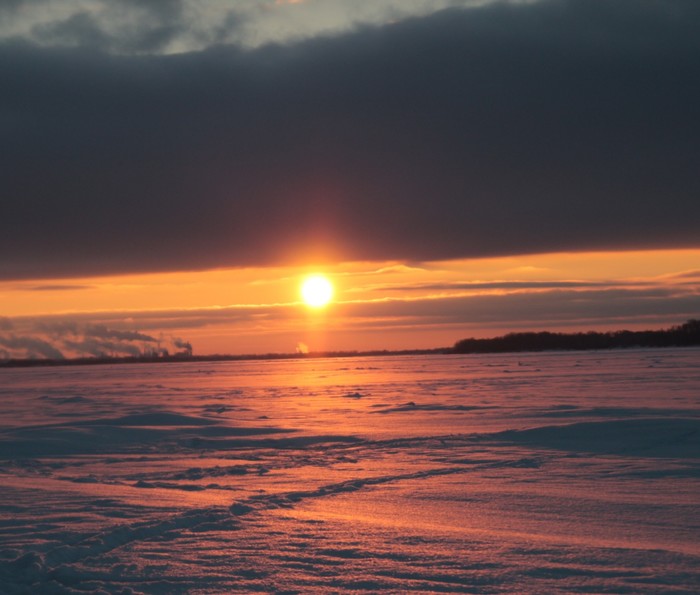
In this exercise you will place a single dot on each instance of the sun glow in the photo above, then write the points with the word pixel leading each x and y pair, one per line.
pixel 316 291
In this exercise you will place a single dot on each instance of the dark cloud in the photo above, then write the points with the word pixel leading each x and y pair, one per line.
pixel 160 10
pixel 547 307
pixel 688 275
pixel 477 285
pixel 58 287
pixel 555 125
pixel 80 29
pixel 146 26
pixel 9 6
pixel 544 309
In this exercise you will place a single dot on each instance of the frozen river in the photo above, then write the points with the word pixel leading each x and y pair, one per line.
pixel 522 473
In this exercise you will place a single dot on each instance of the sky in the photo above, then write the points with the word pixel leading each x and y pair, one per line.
pixel 171 170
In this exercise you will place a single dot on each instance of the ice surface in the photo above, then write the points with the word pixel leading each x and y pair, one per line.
pixel 527 473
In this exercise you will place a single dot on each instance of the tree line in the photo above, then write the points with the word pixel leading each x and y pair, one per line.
pixel 683 335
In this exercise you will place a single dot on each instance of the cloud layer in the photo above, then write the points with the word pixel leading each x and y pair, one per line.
pixel 177 26
pixel 507 129
pixel 434 315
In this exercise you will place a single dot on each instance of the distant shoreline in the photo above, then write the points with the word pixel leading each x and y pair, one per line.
pixel 164 359
pixel 685 335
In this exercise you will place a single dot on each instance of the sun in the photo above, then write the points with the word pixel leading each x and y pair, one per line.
pixel 316 291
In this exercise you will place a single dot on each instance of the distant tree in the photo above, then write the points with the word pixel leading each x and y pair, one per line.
pixel 686 334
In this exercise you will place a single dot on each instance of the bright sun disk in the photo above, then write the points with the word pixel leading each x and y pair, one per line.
pixel 316 291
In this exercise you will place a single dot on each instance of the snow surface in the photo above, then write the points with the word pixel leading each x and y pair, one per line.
pixel 523 473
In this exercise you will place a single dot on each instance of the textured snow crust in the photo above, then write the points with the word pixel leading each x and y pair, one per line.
pixel 527 473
